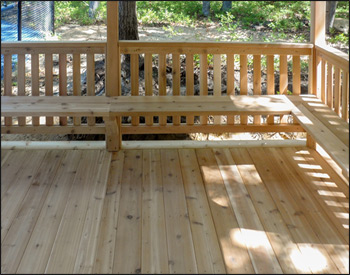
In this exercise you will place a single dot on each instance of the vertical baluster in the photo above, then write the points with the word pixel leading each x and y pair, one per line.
pixel 345 96
pixel 162 83
pixel 148 83
pixel 283 75
pixel 337 91
pixel 21 70
pixel 48 82
pixel 243 82
pixel 134 71
pixel 323 81
pixel 189 83
pixel 270 82
pixel 8 82
pixel 35 81
pixel 257 82
pixel 176 82
pixel 217 82
pixel 90 81
pixel 76 82
pixel 296 74
pixel 296 78
pixel 283 80
pixel 203 81
pixel 63 82
pixel 330 85
pixel 318 66
pixel 311 74
pixel 230 81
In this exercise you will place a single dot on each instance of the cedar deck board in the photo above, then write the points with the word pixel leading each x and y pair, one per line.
pixel 125 105
pixel 198 206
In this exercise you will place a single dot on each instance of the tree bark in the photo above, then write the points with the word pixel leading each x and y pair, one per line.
pixel 93 5
pixel 128 21
pixel 226 5
pixel 330 14
pixel 206 8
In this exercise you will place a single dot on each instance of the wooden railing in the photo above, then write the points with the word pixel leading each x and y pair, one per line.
pixel 35 66
pixel 245 52
pixel 332 68
pixel 35 63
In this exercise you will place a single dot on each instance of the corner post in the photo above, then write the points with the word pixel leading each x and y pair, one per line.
pixel 317 37
pixel 113 123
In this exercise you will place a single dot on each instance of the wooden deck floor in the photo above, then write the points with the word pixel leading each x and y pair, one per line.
pixel 254 210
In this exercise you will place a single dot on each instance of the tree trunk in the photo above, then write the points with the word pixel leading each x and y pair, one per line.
pixel 93 5
pixel 330 14
pixel 206 8
pixel 226 5
pixel 128 21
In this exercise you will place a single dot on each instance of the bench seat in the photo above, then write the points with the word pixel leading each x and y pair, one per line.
pixel 325 127
pixel 126 106
pixel 324 114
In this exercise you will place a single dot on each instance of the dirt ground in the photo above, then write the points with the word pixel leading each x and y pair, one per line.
pixel 201 32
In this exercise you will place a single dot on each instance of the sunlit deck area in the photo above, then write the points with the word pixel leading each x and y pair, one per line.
pixel 111 204
pixel 225 210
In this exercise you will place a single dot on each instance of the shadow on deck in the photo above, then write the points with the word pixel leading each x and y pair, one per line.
pixel 238 210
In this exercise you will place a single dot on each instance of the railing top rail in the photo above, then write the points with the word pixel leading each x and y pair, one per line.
pixel 19 47
pixel 52 44
pixel 137 47
pixel 132 46
pixel 334 56
pixel 197 44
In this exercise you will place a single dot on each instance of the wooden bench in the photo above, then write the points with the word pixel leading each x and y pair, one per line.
pixel 319 121
pixel 323 126
pixel 126 106
pixel 112 108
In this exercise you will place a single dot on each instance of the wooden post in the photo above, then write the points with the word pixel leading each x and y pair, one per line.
pixel 318 23
pixel 317 37
pixel 113 88
pixel 310 142
pixel 112 132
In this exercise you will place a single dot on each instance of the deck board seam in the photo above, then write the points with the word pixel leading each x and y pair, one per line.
pixel 308 222
pixel 187 211
pixel 241 223
pixel 186 200
pixel 210 208
pixel 40 210
pixel 37 167
pixel 269 190
pixel 318 206
pixel 274 207
pixel 62 217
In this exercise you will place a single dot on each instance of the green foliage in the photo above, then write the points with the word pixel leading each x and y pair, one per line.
pixel 156 12
pixel 78 12
pixel 278 15
pixel 338 37
pixel 342 10
pixel 342 37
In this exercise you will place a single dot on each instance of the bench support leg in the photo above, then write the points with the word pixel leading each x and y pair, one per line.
pixel 310 142
pixel 113 134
